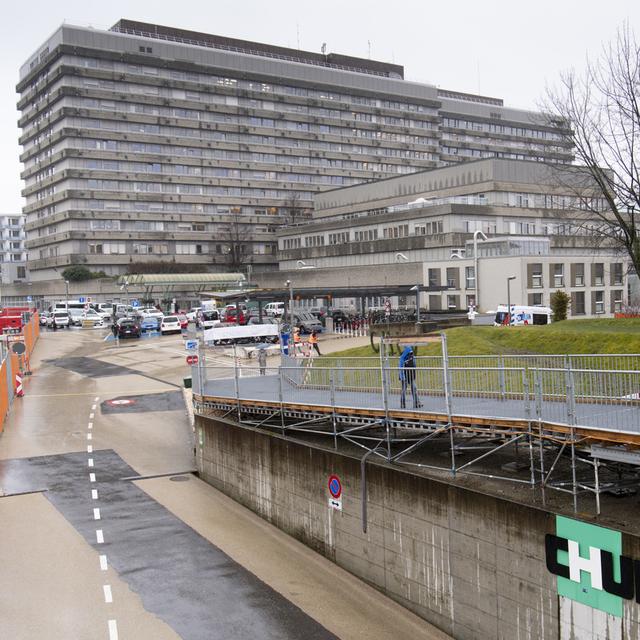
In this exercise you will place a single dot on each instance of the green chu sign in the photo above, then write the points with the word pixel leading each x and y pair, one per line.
pixel 590 567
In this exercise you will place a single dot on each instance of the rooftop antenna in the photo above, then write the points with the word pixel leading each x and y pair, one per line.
pixel 323 48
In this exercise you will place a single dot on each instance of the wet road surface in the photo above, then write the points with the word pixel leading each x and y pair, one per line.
pixel 89 551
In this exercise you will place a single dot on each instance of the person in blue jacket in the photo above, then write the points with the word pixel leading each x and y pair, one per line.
pixel 407 367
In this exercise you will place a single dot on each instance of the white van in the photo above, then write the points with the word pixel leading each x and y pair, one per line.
pixel 522 315
pixel 274 309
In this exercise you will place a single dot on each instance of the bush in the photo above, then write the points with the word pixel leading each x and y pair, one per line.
pixel 560 302
pixel 77 273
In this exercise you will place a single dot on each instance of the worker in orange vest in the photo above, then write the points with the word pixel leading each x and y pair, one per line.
pixel 297 341
pixel 313 341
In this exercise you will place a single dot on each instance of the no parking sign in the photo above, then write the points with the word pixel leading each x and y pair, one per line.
pixel 335 489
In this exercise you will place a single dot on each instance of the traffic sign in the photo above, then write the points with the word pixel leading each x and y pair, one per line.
pixel 81 299
pixel 135 303
pixel 191 345
pixel 29 298
pixel 18 348
pixel 335 486
pixel 192 359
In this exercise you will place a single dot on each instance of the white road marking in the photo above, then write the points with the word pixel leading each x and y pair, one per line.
pixel 91 416
pixel 94 494
pixel 113 630
pixel 103 563
pixel 90 425
pixel 92 477
pixel 93 407
pixel 108 597
pixel 89 448
pixel 96 514
pixel 89 436
pixel 90 461
pixel 99 536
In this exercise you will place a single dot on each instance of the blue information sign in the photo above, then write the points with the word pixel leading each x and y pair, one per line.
pixel 134 303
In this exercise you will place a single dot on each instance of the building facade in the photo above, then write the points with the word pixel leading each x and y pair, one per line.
pixel 12 250
pixel 146 143
pixel 525 223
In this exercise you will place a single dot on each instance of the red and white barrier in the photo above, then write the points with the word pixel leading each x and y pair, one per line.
pixel 19 389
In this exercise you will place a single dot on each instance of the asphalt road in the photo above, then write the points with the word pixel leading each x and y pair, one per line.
pixel 105 533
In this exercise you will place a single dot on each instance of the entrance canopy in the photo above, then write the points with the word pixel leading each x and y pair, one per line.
pixel 168 283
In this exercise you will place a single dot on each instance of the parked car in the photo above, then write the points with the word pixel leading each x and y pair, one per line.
pixel 229 314
pixel 193 313
pixel 207 319
pixel 126 328
pixel 60 319
pixel 90 315
pixel 75 316
pixel 306 322
pixel 150 312
pixel 274 309
pixel 170 324
pixel 149 323
pixel 45 317
pixel 183 320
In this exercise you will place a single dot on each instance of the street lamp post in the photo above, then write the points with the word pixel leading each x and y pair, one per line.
pixel 509 279
pixel 66 286
pixel 477 233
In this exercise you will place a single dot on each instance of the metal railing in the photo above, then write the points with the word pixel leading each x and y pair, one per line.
pixel 546 388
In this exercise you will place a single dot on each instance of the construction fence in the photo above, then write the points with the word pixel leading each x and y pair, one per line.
pixel 14 367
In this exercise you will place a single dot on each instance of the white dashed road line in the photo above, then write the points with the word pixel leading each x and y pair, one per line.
pixel 96 514
pixel 113 630
pixel 103 563
pixel 94 494
pixel 108 596
pixel 99 536
pixel 89 449
pixel 90 462
pixel 92 477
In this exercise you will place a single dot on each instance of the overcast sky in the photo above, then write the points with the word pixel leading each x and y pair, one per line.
pixel 509 50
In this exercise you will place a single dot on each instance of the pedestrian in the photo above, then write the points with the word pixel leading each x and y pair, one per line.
pixel 262 360
pixel 313 341
pixel 407 366
pixel 297 342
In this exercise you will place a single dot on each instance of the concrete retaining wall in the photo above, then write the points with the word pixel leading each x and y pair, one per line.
pixel 470 563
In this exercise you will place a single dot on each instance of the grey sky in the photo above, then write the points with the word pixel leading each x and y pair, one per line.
pixel 509 50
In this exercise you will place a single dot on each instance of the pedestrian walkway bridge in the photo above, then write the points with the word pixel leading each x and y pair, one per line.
pixel 576 419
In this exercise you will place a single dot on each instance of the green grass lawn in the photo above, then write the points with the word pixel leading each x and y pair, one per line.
pixel 570 336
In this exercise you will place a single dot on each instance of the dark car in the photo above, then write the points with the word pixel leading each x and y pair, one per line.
pixel 126 328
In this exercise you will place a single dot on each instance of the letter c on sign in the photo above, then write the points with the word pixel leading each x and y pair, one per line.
pixel 553 544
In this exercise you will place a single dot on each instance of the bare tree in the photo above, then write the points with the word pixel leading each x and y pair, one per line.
pixel 236 236
pixel 602 108
pixel 294 211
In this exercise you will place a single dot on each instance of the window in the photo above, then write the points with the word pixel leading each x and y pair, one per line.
pixel 470 277
pixel 598 274
pixel 453 302
pixel 616 273
pixel 577 303
pixel 453 277
pixel 558 275
pixel 578 274
pixel 616 301
pixel 434 277
pixel 535 299
pixel 536 276
pixel 22 272
pixel 598 299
